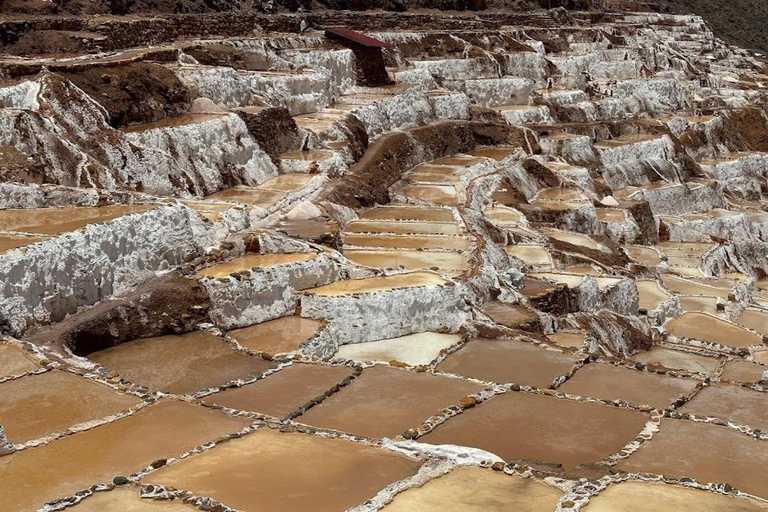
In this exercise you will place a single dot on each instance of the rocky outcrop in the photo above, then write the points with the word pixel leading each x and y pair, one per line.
pixel 52 279
pixel 167 304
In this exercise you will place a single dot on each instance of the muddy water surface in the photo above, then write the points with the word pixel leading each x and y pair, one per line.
pixel 179 364
pixel 575 432
pixel 277 336
pixel 52 221
pixel 435 260
pixel 736 404
pixel 386 401
pixel 402 227
pixel 678 360
pixel 251 261
pixel 704 327
pixel 34 476
pixel 704 452
pixel 477 490
pixel 13 361
pixel 505 361
pixel 644 497
pixel 270 470
pixel 376 284
pixel 609 382
pixel 283 392
pixel 38 405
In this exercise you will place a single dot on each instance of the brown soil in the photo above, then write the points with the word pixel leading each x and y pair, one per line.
pixel 134 93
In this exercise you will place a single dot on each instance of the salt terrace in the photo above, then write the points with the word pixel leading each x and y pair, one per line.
pixel 477 261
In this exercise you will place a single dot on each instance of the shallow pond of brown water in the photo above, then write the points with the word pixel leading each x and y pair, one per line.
pixel 610 382
pixel 179 364
pixel 472 489
pixel 277 336
pixel 384 402
pixel 38 405
pixel 706 452
pixel 271 470
pixel 62 467
pixel 514 425
pixel 508 361
pixel 251 261
pixel 283 392
pixel 52 221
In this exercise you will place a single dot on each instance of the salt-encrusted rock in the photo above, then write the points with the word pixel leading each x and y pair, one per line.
pixel 49 280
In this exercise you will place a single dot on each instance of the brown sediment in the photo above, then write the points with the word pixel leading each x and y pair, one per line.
pixel 298 472
pixel 128 499
pixel 743 371
pixel 643 255
pixel 252 196
pixel 530 253
pixel 678 360
pixel 447 261
pixel 429 214
pixel 13 361
pixel 512 316
pixel 10 242
pixel 384 402
pixel 651 295
pixel 402 228
pixel 754 319
pixel 179 364
pixel 408 242
pixel 735 404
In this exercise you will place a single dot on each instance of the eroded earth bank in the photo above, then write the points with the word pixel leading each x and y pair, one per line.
pixel 493 259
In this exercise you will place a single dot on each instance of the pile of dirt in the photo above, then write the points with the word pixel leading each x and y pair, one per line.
pixel 47 42
pixel 134 93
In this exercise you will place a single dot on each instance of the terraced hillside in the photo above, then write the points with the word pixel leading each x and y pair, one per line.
pixel 529 273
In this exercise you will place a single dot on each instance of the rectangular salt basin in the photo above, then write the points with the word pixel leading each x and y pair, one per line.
pixel 180 364
pixel 409 242
pixel 270 470
pixel 42 404
pixel 423 213
pixel 704 327
pixel 52 221
pixel 62 467
pixel 414 349
pixel 545 429
pixel 705 452
pixel 402 227
pixel 251 261
pixel 377 284
pixel 437 194
pixel 252 196
pixel 447 261
pixel 172 122
pixel 10 242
